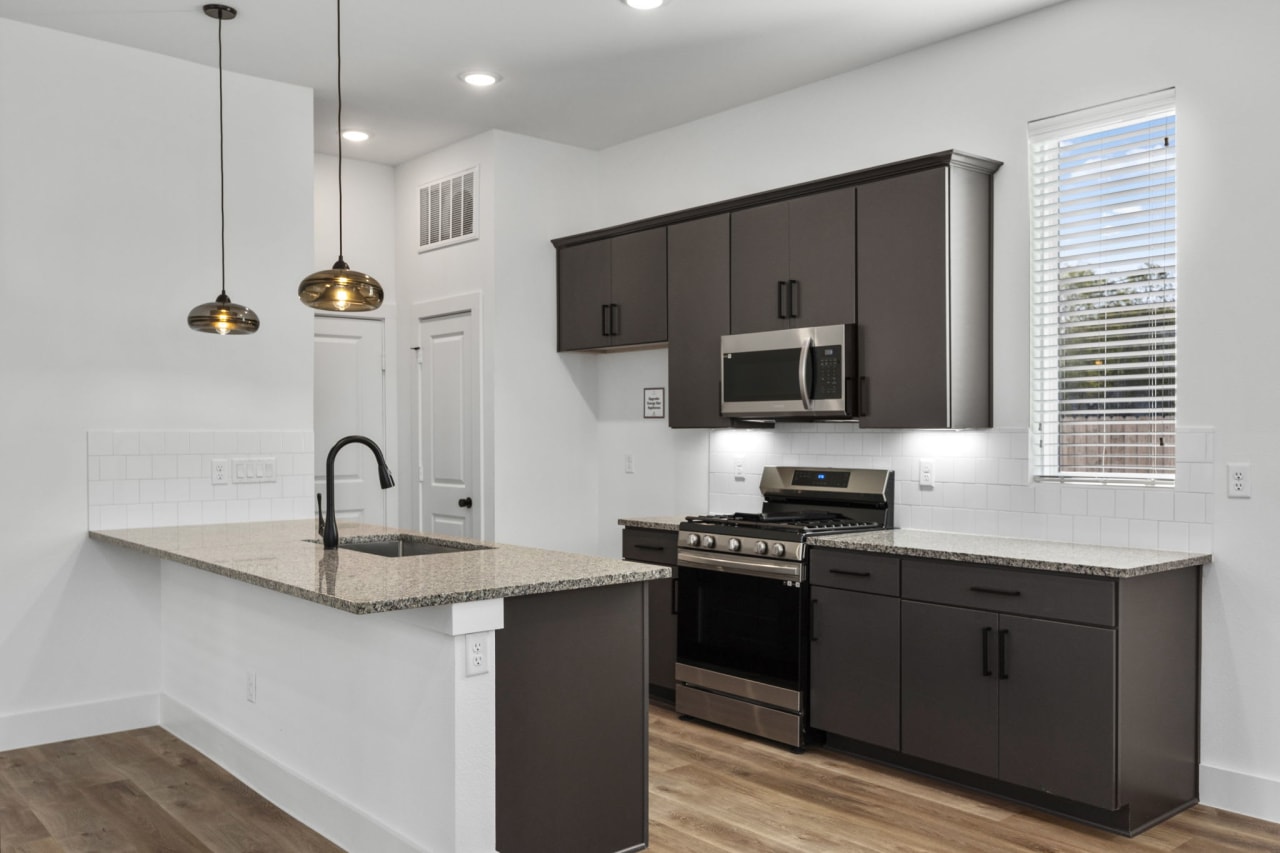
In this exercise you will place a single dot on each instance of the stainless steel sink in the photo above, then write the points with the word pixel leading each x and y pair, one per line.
pixel 407 546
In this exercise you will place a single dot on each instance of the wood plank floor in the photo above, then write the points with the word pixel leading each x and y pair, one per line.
pixel 715 791
pixel 141 791
pixel 711 791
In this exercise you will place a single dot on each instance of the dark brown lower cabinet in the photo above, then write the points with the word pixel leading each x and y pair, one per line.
pixel 1074 693
pixel 647 545
pixel 853 665
pixel 1028 701
pixel 572 736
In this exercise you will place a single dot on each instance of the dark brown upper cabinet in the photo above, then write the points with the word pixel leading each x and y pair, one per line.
pixel 794 263
pixel 697 315
pixel 612 292
pixel 924 299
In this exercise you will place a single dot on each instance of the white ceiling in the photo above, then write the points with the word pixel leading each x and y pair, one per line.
pixel 590 73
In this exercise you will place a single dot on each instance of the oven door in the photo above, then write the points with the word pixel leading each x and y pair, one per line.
pixel 744 618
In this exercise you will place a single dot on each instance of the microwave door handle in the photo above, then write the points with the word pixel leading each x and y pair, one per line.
pixel 804 372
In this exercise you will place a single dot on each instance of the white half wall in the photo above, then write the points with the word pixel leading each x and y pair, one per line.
pixel 109 227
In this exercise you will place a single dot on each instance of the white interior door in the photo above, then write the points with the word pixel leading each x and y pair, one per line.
pixel 350 399
pixel 449 424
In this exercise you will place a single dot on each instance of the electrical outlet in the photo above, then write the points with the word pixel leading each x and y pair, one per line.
pixel 251 686
pixel 628 463
pixel 739 468
pixel 221 472
pixel 477 654
pixel 927 476
pixel 1239 483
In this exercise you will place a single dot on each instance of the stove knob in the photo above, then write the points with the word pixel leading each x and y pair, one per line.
pixel 735 544
pixel 708 541
pixel 762 548
pixel 694 539
pixel 779 550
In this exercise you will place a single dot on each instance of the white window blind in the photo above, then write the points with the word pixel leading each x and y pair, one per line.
pixel 1104 306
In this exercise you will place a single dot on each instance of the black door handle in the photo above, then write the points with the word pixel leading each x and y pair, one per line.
pixel 465 503
pixel 986 653
pixel 850 572
pixel 782 300
pixel 1004 662
pixel 604 319
pixel 793 298
pixel 615 318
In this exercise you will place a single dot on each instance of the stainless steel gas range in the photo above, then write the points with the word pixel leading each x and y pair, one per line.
pixel 742 596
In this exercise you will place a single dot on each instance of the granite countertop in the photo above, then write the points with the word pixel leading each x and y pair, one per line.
pixel 1066 557
pixel 286 556
pixel 654 522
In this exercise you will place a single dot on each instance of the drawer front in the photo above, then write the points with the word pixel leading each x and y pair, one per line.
pixel 1069 598
pixel 649 546
pixel 853 570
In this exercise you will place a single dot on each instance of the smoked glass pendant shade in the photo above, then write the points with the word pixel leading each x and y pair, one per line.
pixel 223 317
pixel 340 289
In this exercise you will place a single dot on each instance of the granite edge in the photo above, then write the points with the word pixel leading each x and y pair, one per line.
pixel 671 523
pixel 850 543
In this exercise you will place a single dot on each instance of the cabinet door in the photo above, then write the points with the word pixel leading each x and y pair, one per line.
pixel 639 288
pixel 949 686
pixel 582 290
pixel 1058 709
pixel 697 315
pixel 761 245
pixel 853 665
pixel 902 301
pixel 823 258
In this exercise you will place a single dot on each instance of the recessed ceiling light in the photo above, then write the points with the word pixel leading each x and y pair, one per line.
pixel 355 135
pixel 644 5
pixel 479 79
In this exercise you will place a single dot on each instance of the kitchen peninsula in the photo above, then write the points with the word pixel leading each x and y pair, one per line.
pixel 487 697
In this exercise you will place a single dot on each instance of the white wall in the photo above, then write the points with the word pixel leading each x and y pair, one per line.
pixel 368 242
pixel 109 231
pixel 977 93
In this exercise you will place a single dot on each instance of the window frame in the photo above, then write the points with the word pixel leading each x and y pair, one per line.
pixel 1138 369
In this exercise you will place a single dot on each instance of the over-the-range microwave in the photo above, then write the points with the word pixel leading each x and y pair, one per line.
pixel 789 373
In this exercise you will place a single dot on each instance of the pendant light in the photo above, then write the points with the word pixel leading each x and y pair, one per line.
pixel 222 316
pixel 340 288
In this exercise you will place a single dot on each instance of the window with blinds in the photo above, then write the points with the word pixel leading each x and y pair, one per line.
pixel 1104 305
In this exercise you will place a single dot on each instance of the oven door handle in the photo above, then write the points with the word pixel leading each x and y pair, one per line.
pixel 774 569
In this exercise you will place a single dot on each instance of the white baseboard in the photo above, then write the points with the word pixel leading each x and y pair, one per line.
pixel 344 824
pixel 1255 796
pixel 50 725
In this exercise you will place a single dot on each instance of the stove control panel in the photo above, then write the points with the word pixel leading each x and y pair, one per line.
pixel 746 545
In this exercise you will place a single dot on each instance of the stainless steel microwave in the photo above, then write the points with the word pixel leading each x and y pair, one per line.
pixel 789 373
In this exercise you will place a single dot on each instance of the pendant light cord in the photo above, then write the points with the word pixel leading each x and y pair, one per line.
pixel 222 174
pixel 339 2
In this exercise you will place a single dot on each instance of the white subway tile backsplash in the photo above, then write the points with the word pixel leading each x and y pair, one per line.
pixel 150 442
pixel 1102 502
pixel 1173 535
pixel 125 443
pixel 161 478
pixel 1190 507
pixel 1158 505
pixel 983 483
pixel 1130 503
pixel 1075 500
pixel 137 467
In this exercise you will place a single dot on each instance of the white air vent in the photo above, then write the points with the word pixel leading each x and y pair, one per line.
pixel 447 210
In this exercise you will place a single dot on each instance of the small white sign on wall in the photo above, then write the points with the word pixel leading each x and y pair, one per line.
pixel 655 402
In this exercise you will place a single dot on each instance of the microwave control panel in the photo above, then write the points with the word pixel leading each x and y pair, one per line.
pixel 828 373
